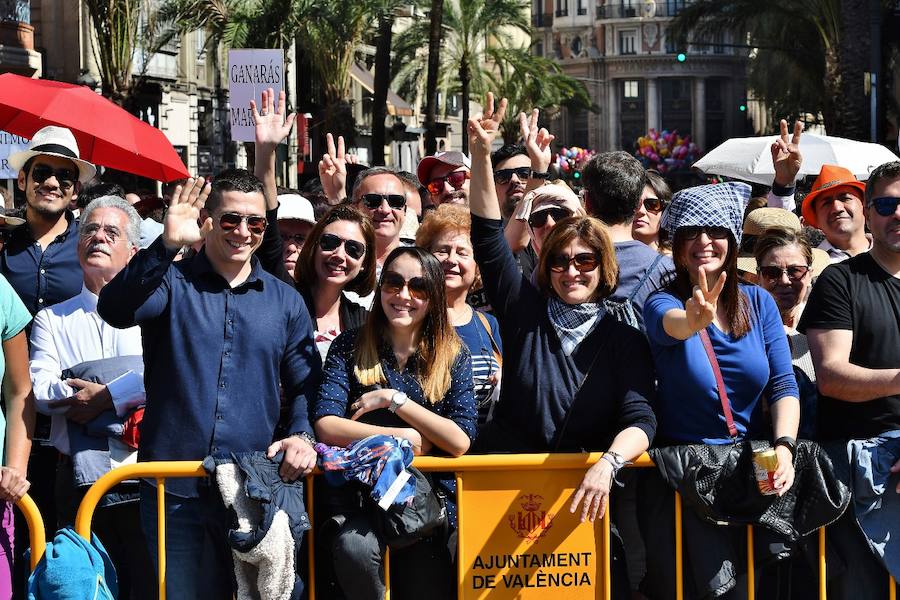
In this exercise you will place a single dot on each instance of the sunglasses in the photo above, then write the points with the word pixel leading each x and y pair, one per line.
pixel 794 272
pixel 886 205
pixel 231 221
pixel 504 176
pixel 456 179
pixel 654 205
pixel 539 219
pixel 373 201
pixel 329 242
pixel 693 232
pixel 392 283
pixel 584 262
pixel 297 239
pixel 65 177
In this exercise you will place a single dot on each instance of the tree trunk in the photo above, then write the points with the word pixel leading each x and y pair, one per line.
pixel 434 49
pixel 851 104
pixel 465 79
pixel 382 82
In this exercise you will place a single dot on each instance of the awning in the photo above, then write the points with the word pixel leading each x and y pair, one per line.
pixel 396 105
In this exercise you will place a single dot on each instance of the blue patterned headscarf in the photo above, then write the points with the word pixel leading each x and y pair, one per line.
pixel 717 205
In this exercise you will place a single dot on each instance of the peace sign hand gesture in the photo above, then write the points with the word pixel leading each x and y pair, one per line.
pixel 701 306
pixel 484 128
pixel 333 169
pixel 537 141
pixel 272 123
pixel 181 227
pixel 786 154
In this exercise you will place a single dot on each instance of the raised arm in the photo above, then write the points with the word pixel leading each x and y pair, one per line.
pixel 699 310
pixel 138 292
pixel 537 143
pixel 333 170
pixel 787 160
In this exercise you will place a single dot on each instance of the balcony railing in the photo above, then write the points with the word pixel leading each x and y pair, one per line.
pixel 613 9
pixel 542 19
pixel 15 10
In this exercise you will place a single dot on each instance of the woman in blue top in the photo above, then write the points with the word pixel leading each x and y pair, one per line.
pixel 404 373
pixel 744 327
pixel 446 232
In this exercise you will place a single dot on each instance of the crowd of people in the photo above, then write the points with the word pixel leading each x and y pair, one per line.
pixel 479 305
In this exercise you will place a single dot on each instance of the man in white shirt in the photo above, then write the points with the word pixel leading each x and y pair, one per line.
pixel 71 333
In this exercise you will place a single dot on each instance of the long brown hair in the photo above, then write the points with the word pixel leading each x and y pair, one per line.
pixel 593 233
pixel 305 269
pixel 737 306
pixel 438 343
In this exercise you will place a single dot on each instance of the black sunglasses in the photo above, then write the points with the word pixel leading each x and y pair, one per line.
pixel 794 272
pixel 64 176
pixel 392 283
pixel 373 201
pixel 886 205
pixel 231 221
pixel 504 176
pixel 584 262
pixel 539 219
pixel 692 232
pixel 329 242
pixel 654 205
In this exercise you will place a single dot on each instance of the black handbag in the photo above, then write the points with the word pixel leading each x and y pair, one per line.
pixel 401 526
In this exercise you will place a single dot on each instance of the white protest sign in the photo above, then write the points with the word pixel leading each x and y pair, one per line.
pixel 10 144
pixel 249 73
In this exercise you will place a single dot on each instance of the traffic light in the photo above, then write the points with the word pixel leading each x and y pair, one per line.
pixel 742 107
pixel 681 57
pixel 576 175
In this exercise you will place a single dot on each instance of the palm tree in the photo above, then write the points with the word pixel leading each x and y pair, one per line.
pixel 470 29
pixel 800 44
pixel 436 16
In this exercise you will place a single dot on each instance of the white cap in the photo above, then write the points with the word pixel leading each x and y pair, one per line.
pixel 295 206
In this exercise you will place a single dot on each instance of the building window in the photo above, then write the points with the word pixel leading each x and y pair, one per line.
pixel 628 41
pixel 582 7
pixel 629 9
pixel 631 90
pixel 674 7
pixel 539 48
pixel 201 44
pixel 718 40
pixel 671 47
pixel 562 8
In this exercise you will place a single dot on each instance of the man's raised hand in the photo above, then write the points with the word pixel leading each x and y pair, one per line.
pixel 181 226
pixel 786 155
pixel 537 141
pixel 482 129
pixel 273 124
pixel 333 169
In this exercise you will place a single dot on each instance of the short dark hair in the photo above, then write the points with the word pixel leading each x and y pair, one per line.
pixel 99 190
pixel 613 182
pixel 890 170
pixel 506 152
pixel 232 180
pixel 409 179
pixel 371 172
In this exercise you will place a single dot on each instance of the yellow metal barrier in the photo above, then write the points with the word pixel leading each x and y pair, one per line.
pixel 36 535
pixel 472 463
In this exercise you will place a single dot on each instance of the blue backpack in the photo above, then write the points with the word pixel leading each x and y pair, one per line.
pixel 73 569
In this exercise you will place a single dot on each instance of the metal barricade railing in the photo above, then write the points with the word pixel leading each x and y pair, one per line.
pixel 160 471
pixel 37 537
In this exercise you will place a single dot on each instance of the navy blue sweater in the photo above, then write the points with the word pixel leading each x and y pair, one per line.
pixel 540 381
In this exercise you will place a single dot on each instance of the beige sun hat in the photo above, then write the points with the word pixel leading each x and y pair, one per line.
pixel 763 219
pixel 54 141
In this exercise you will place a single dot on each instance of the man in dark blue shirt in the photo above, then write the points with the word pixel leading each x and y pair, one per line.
pixel 219 336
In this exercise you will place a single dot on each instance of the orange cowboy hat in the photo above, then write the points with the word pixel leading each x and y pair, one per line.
pixel 831 179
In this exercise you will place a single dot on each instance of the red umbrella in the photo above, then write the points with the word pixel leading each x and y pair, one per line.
pixel 107 134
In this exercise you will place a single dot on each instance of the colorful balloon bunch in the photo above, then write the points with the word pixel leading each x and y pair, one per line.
pixel 571 160
pixel 666 151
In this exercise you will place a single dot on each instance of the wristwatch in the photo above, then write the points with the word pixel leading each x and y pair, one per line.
pixel 397 400
pixel 788 442
pixel 536 175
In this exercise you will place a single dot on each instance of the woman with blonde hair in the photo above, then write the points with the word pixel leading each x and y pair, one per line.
pixel 404 373
pixel 446 233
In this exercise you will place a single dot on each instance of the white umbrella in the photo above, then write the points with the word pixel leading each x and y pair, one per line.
pixel 750 159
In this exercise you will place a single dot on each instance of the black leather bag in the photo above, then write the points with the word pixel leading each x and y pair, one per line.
pixel 403 526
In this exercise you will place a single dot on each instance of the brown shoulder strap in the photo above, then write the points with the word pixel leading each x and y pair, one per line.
pixel 720 383
pixel 497 356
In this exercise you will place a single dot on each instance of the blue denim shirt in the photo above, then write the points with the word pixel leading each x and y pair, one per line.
pixel 43 277
pixel 213 356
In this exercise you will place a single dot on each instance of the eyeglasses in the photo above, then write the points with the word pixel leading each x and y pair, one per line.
pixel 654 205
pixel 330 242
pixel 539 219
pixel 794 272
pixel 504 176
pixel 66 178
pixel 297 239
pixel 886 205
pixel 231 221
pixel 456 179
pixel 693 232
pixel 392 283
pixel 584 262
pixel 112 233
pixel 373 201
